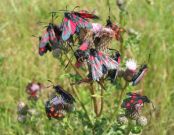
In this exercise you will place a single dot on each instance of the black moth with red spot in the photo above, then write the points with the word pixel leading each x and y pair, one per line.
pixel 55 108
pixel 58 106
pixel 134 102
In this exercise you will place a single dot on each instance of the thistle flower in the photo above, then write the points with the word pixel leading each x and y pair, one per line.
pixel 32 90
pixel 131 64
pixel 131 67
pixel 96 27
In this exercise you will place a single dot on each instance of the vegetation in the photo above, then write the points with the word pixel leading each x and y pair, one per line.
pixel 20 63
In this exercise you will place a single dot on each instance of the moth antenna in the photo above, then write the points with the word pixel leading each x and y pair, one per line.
pixel 113 49
pixel 56 17
pixel 109 8
pixel 35 36
pixel 52 17
pixel 66 7
pixel 149 57
pixel 39 22
pixel 76 7
pixel 53 14
pixel 51 83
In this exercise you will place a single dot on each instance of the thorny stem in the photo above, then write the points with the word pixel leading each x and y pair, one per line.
pixel 94 99
pixel 74 66
pixel 101 102
pixel 98 113
pixel 116 110
pixel 121 95
pixel 76 93
pixel 83 106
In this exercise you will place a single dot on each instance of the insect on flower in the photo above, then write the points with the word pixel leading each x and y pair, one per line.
pixel 99 64
pixel 73 21
pixel 55 108
pixel 134 103
pixel 113 73
pixel 116 29
pixel 139 75
pixel 58 106
pixel 50 39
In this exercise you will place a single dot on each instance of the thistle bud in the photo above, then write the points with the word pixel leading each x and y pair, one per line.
pixel 56 53
pixel 150 2
pixel 132 32
pixel 32 112
pixel 142 121
pixel 21 118
pixel 22 108
pixel 121 4
pixel 69 107
pixel 130 70
pixel 122 119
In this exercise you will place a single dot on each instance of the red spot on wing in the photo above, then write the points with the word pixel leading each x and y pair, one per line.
pixel 42 49
pixel 132 101
pixel 140 101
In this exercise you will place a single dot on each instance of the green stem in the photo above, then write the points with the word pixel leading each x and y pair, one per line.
pixel 101 102
pixel 116 110
pixel 98 113
pixel 83 106
pixel 76 93
pixel 94 98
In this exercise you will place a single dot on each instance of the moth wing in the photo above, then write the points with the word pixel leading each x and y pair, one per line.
pixel 66 32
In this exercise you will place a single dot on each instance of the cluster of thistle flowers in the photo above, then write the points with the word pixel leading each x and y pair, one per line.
pixel 24 112
pixel 133 105
pixel 33 90
pixel 58 105
pixel 88 41
pixel 90 44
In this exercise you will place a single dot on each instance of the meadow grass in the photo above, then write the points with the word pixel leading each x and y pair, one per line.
pixel 20 62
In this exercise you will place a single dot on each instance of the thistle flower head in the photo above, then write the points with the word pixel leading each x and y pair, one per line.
pixel 122 119
pixel 142 121
pixel 21 105
pixel 21 118
pixel 22 108
pixel 96 27
pixel 131 64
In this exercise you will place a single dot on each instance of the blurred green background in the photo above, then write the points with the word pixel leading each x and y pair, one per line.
pixel 21 63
